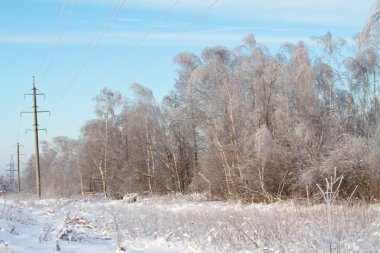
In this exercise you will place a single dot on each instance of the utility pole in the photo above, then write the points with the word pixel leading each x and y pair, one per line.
pixel 11 171
pixel 38 174
pixel 36 129
pixel 18 168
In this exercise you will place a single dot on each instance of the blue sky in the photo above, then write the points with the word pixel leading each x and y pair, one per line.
pixel 73 49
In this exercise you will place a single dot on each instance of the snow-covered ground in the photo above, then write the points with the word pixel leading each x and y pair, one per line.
pixel 182 224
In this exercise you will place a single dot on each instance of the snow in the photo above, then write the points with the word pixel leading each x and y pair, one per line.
pixel 180 224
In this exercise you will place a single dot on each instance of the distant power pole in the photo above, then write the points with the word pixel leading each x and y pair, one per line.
pixel 18 167
pixel 36 129
pixel 11 171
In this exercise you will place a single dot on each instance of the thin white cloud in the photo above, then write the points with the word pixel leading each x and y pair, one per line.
pixel 24 39
pixel 326 12
pixel 154 39
pixel 254 29
pixel 339 12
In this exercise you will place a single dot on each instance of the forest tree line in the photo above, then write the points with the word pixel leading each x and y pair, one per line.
pixel 240 123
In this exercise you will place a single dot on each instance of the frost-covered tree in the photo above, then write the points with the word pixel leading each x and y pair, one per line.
pixel 239 123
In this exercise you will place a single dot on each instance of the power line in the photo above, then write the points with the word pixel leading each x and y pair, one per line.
pixel 52 35
pixel 127 53
pixel 159 52
pixel 111 17
pixel 63 30
pixel 138 43
pixel 96 34
pixel 154 56
pixel 58 42
pixel 90 54
pixel 103 25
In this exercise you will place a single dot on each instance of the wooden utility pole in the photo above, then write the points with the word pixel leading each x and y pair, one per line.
pixel 36 129
pixel 38 174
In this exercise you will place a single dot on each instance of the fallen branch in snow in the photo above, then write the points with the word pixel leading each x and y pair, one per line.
pixel 79 222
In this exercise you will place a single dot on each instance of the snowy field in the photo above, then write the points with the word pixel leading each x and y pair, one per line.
pixel 183 224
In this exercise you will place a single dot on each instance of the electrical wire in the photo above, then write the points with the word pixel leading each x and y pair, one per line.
pixel 101 26
pixel 58 43
pixel 161 50
pixel 58 20
pixel 167 46
pixel 119 4
pixel 155 56
pixel 127 53
pixel 89 55
pixel 137 44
